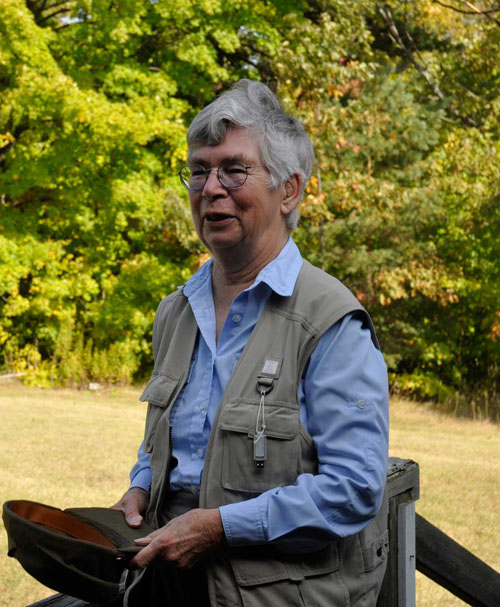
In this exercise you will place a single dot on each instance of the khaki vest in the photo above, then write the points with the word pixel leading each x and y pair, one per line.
pixel 346 572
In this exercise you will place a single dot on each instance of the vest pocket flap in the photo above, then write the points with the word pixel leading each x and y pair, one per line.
pixel 159 390
pixel 158 394
pixel 263 569
pixel 281 419
pixel 376 552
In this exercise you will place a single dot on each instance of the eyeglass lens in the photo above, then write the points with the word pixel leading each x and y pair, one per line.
pixel 231 175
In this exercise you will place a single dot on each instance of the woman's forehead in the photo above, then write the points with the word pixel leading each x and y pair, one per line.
pixel 238 145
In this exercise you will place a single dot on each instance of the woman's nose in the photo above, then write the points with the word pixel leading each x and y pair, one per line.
pixel 213 185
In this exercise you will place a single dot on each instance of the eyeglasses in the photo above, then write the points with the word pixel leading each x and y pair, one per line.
pixel 230 175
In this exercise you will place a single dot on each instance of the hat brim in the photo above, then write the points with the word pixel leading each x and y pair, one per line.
pixel 83 557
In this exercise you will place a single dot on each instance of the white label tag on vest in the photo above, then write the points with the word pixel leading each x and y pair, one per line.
pixel 271 367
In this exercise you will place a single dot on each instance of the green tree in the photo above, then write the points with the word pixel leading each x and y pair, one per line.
pixel 401 101
pixel 95 227
pixel 403 208
pixel 87 191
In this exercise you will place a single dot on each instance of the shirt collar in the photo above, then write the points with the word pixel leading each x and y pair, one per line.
pixel 280 274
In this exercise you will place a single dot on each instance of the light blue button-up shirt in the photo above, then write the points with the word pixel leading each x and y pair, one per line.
pixel 343 405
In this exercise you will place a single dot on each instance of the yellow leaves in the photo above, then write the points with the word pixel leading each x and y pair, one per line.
pixel 495 328
pixel 416 278
pixel 202 259
pixel 333 91
pixel 384 300
pixel 6 139
pixel 391 285
pixel 314 208
pixel 16 305
pixel 27 358
pixel 361 295
pixel 312 185
pixel 343 143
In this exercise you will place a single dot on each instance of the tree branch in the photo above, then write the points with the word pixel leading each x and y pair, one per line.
pixel 475 11
pixel 58 12
pixel 64 25
pixel 40 10
pixel 395 36
pixel 478 11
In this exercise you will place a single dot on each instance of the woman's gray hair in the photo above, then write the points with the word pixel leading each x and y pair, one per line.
pixel 284 145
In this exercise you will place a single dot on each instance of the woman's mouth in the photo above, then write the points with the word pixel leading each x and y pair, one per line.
pixel 217 218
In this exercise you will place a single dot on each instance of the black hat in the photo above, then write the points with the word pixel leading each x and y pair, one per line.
pixel 79 551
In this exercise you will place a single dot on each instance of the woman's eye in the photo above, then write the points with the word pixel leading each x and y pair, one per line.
pixel 235 169
pixel 197 172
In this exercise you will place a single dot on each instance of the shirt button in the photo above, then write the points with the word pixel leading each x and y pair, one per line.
pixel 361 404
pixel 236 318
pixel 203 406
pixel 200 452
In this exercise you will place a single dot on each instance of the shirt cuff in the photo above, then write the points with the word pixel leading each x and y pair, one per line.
pixel 244 522
pixel 142 479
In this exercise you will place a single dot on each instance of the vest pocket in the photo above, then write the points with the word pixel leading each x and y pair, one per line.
pixel 158 394
pixel 376 552
pixel 263 564
pixel 238 425
pixel 257 576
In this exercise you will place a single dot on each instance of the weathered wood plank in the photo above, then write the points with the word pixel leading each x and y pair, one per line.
pixel 63 600
pixel 450 565
pixel 59 600
pixel 402 477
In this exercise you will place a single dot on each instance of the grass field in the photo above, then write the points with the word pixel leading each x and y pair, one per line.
pixel 69 448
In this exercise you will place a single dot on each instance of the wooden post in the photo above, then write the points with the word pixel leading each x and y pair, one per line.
pixel 403 489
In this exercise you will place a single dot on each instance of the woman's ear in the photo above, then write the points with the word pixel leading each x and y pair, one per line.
pixel 291 197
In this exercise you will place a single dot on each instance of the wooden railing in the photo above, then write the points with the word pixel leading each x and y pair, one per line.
pixel 455 568
pixel 414 543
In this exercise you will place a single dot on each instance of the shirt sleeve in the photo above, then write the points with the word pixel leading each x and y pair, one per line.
pixel 141 475
pixel 344 406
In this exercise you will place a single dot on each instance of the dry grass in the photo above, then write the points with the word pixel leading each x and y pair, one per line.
pixel 64 448
pixel 459 464
pixel 69 448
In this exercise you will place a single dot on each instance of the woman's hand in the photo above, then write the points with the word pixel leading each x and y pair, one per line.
pixel 183 541
pixel 133 504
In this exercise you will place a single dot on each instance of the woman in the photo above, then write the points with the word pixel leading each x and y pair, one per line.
pixel 264 459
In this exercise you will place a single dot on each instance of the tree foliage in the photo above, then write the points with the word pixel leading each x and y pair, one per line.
pixel 401 101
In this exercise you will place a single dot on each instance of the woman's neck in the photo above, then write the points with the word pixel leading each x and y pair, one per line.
pixel 232 274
